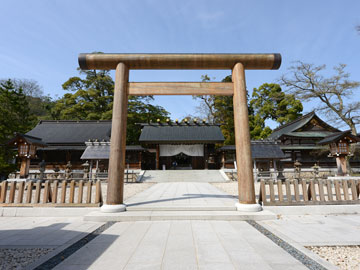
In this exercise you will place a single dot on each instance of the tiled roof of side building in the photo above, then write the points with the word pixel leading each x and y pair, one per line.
pixel 65 131
pixel 337 136
pixel 261 150
pixel 297 124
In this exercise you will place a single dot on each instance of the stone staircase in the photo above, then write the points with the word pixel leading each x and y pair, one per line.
pixel 205 176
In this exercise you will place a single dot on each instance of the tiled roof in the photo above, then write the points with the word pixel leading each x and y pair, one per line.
pixel 65 132
pixel 102 151
pixel 337 136
pixel 261 150
pixel 297 124
pixel 181 133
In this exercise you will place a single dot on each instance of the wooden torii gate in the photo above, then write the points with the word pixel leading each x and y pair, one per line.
pixel 122 63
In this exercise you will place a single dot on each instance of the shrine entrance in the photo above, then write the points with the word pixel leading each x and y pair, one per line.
pixel 122 63
pixel 182 162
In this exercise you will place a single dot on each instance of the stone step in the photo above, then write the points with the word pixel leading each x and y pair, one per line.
pixel 178 215
pixel 181 208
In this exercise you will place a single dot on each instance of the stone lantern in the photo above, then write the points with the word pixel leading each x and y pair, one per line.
pixel 339 145
pixel 297 166
pixel 26 146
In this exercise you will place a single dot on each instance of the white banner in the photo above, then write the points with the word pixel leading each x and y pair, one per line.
pixel 194 150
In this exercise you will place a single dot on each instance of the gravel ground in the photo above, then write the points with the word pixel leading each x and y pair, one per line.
pixel 18 258
pixel 131 189
pixel 344 257
pixel 232 187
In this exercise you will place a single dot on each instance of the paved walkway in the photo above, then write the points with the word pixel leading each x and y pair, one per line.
pixel 181 194
pixel 180 201
pixel 204 176
pixel 181 245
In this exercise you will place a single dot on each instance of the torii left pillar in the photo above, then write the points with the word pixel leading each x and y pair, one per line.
pixel 115 188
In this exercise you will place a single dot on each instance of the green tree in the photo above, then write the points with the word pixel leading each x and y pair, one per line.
pixel 219 109
pixel 270 102
pixel 14 117
pixel 140 110
pixel 39 104
pixel 91 98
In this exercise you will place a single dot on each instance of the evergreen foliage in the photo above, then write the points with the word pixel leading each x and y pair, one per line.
pixel 91 98
pixel 14 117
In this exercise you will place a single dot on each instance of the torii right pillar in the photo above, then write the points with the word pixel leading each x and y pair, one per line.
pixel 246 185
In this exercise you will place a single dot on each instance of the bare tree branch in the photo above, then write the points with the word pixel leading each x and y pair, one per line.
pixel 335 93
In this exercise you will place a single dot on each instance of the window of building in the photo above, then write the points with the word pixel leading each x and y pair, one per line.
pixel 343 147
pixel 23 149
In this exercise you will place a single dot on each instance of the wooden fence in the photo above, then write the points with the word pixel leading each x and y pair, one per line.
pixel 309 192
pixel 51 193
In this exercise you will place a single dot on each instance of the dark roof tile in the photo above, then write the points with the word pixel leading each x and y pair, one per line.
pixel 181 133
pixel 52 132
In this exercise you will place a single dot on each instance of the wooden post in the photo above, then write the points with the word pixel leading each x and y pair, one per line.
pixel 157 157
pixel 223 159
pixel 24 167
pixel 206 157
pixel 118 141
pixel 140 157
pixel 242 140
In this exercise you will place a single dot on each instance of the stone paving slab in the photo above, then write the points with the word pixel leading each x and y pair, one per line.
pixel 318 230
pixel 205 176
pixel 181 245
pixel 42 231
pixel 178 215
pixel 29 233
pixel 181 195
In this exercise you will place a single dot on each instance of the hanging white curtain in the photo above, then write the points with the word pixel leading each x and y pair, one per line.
pixel 194 150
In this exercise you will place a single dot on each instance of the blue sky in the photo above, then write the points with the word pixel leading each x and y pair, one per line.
pixel 41 40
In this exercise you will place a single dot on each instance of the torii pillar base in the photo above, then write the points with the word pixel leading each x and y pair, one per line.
pixel 244 207
pixel 113 208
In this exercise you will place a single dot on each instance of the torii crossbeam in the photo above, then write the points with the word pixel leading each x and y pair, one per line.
pixel 122 63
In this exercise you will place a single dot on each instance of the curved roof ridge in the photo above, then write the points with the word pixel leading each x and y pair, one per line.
pixel 312 113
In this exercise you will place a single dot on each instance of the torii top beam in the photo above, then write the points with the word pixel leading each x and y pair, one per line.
pixel 107 61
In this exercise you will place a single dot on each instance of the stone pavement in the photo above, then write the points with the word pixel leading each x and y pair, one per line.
pixel 181 245
pixel 29 241
pixel 181 195
pixel 192 233
pixel 42 231
pixel 167 176
pixel 317 230
pixel 180 201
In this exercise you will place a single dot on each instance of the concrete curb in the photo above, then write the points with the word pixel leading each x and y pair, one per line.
pixel 140 176
pixel 314 209
pixel 178 215
pixel 223 174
